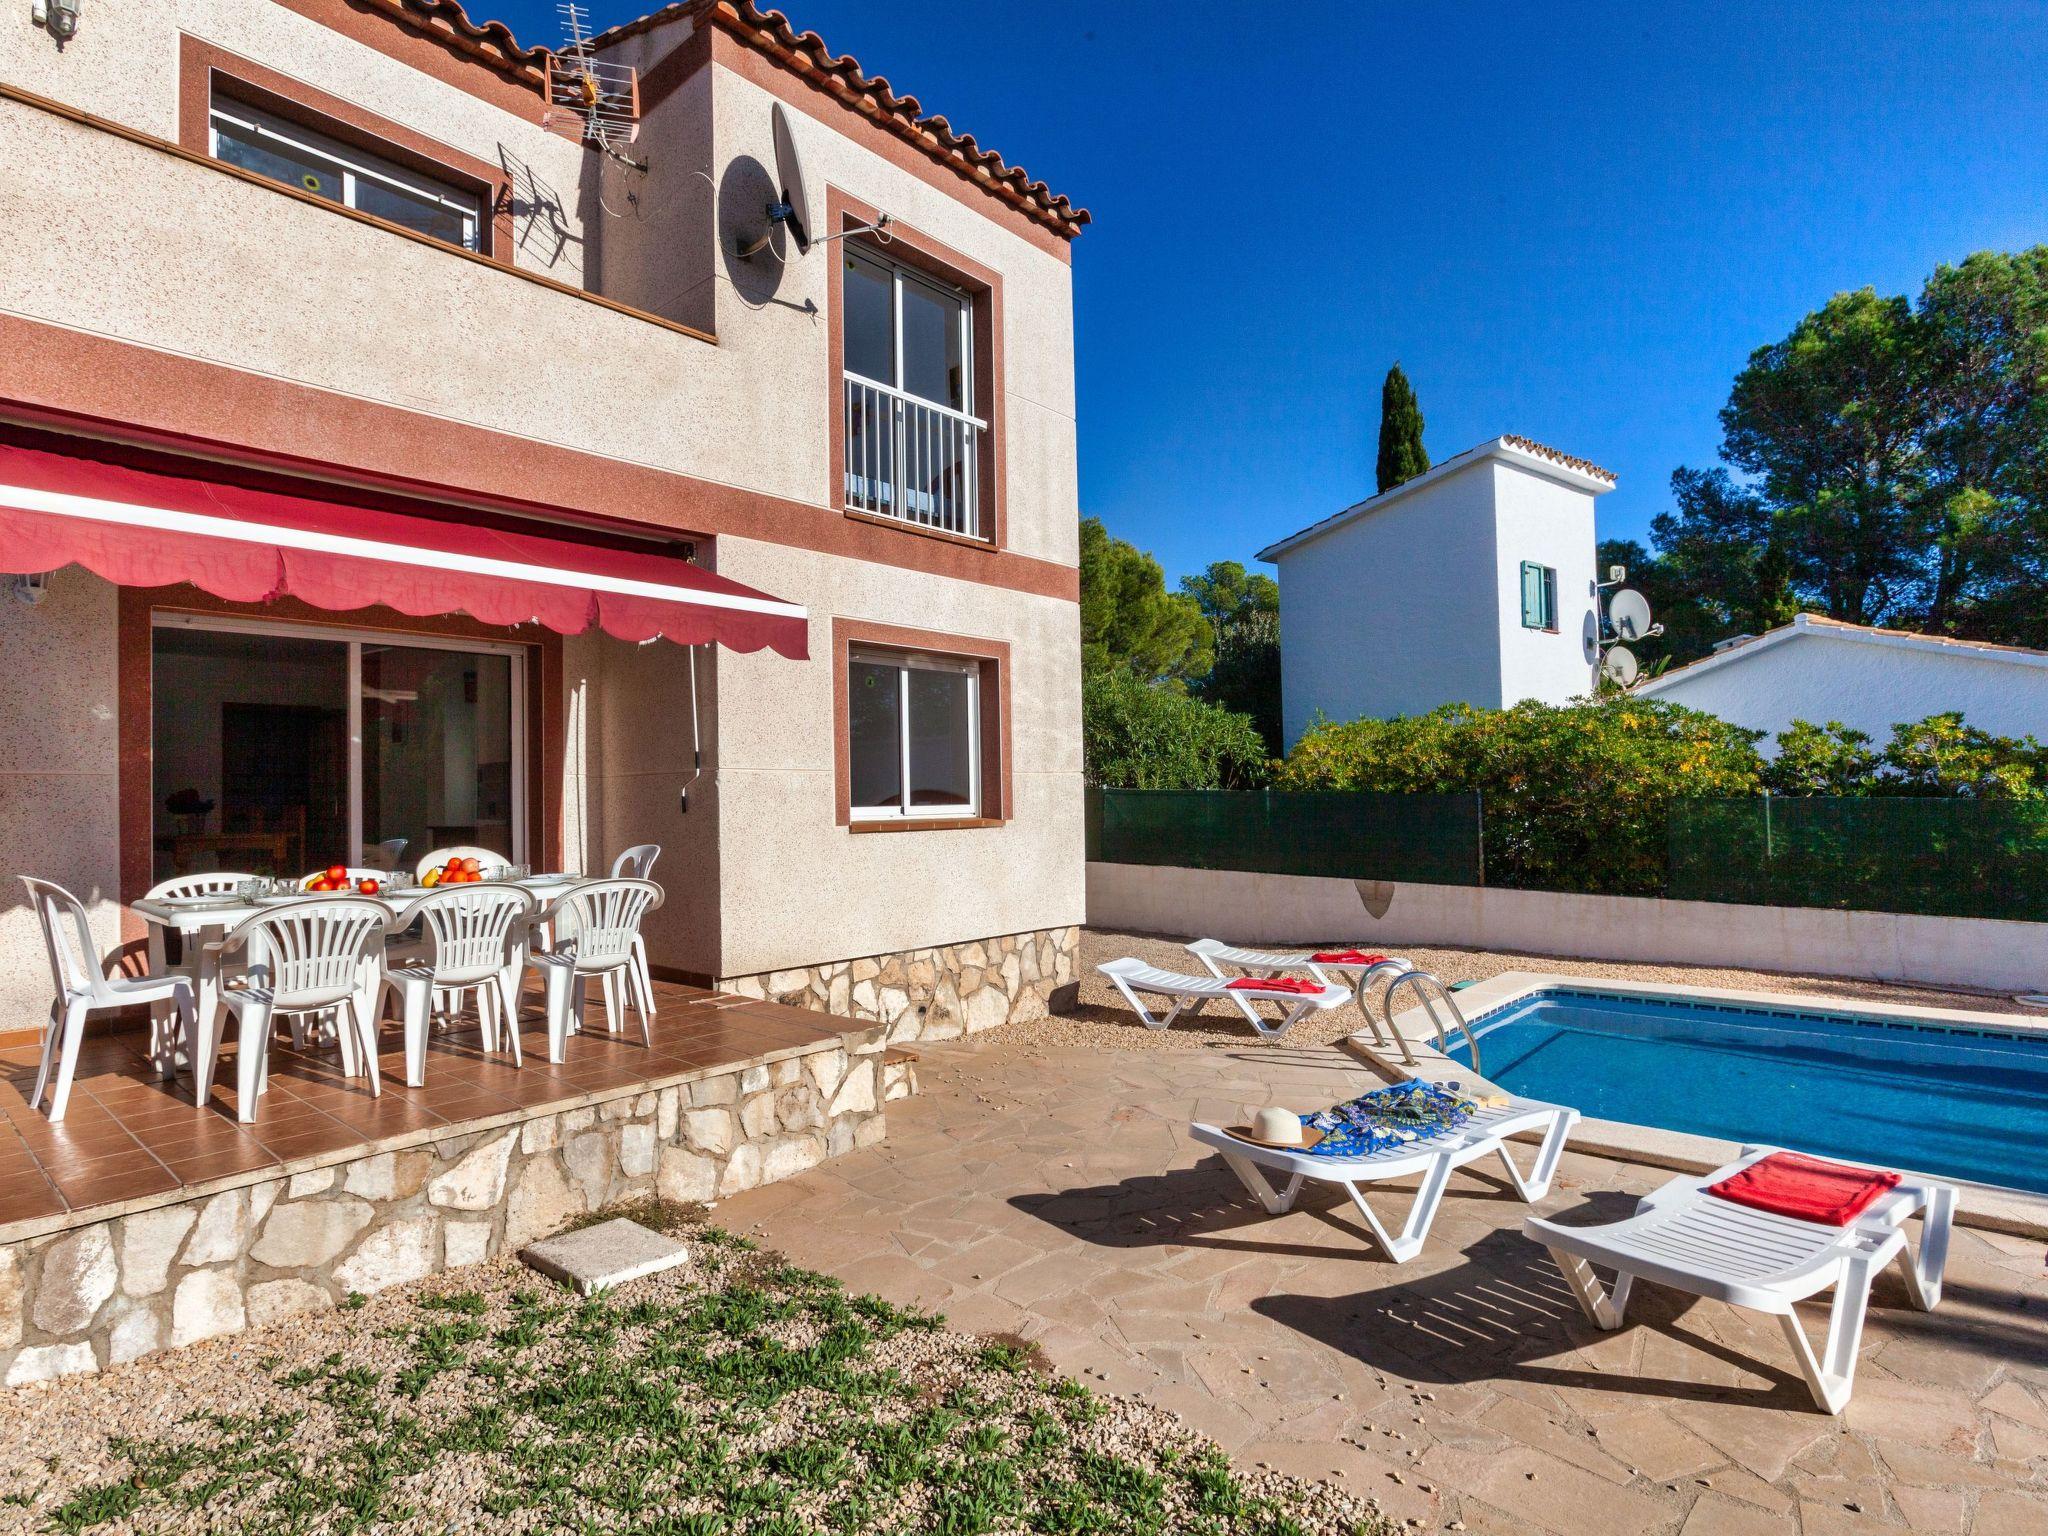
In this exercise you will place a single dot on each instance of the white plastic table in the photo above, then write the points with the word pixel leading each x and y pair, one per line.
pixel 200 920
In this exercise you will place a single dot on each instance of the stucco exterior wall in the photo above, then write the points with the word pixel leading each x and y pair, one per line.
pixel 1289 910
pixel 1393 613
pixel 800 888
pixel 1540 520
pixel 124 65
pixel 59 785
pixel 1867 685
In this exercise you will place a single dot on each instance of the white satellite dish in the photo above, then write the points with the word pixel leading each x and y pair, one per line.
pixel 1629 613
pixel 1620 666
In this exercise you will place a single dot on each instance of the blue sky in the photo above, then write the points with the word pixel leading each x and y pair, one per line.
pixel 1572 222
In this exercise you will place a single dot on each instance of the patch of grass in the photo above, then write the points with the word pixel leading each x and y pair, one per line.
pixel 745 1398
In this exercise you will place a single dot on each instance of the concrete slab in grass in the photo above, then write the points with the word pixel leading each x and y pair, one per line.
pixel 597 1258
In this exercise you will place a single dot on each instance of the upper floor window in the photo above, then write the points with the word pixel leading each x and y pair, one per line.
pixel 298 157
pixel 1539 596
pixel 913 441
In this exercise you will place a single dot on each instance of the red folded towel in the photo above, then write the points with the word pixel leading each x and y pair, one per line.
pixel 1346 957
pixel 1792 1184
pixel 1275 984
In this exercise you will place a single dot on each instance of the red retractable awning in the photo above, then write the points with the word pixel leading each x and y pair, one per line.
pixel 139 528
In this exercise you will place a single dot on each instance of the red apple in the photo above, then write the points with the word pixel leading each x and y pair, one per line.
pixel 337 872
pixel 368 887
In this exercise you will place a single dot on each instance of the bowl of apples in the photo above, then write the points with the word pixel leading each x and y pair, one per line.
pixel 454 872
pixel 336 880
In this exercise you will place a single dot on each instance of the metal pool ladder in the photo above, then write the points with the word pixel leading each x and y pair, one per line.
pixel 1432 995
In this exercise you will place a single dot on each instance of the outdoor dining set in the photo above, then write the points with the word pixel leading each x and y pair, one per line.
pixel 326 955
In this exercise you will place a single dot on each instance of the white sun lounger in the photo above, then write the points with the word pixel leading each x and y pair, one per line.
pixel 1433 1157
pixel 1215 954
pixel 1188 993
pixel 1685 1238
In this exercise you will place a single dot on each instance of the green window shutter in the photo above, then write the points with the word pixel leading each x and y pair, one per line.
pixel 1532 595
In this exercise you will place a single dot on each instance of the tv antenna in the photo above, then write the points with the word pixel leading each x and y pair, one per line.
pixel 589 98
pixel 791 208
pixel 1625 616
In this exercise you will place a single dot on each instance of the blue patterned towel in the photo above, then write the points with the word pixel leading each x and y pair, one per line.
pixel 1389 1117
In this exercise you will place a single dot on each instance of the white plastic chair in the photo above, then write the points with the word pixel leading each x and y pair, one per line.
pixel 637 863
pixel 1132 976
pixel 600 919
pixel 440 856
pixel 1693 1241
pixel 303 957
pixel 83 989
pixel 216 883
pixel 472 934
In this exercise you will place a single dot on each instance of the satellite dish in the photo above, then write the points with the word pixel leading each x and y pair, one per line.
pixel 1629 613
pixel 1620 666
pixel 794 209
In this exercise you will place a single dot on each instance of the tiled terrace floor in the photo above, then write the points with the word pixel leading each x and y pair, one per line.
pixel 129 1136
pixel 1052 1191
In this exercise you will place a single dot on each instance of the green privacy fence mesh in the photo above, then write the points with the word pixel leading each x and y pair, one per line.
pixel 1942 857
pixel 1353 836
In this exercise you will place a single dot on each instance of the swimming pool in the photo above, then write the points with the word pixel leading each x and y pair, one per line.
pixel 1937 1098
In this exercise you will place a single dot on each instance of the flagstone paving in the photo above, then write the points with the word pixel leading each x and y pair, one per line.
pixel 1052 1191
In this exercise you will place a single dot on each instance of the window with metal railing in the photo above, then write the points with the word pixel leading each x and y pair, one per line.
pixel 913 443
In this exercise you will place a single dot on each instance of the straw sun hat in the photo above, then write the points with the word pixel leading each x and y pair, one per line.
pixel 1277 1128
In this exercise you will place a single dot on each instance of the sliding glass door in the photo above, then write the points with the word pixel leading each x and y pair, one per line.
pixel 278 749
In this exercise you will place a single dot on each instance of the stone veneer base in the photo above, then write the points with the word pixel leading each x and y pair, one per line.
pixel 159 1275
pixel 939 993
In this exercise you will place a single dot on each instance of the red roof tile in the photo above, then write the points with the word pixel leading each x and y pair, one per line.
pixel 770 32
pixel 1569 461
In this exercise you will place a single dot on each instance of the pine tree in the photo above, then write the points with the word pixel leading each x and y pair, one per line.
pixel 1402 456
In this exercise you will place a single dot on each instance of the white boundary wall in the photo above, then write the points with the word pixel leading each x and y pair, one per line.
pixel 1250 908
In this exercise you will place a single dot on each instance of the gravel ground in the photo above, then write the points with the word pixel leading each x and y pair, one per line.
pixel 1103 1019
pixel 738 1396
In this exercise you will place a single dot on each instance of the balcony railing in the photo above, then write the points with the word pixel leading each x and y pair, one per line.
pixel 913 460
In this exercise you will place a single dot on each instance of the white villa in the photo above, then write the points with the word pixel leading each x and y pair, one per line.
pixel 1822 670
pixel 1471 583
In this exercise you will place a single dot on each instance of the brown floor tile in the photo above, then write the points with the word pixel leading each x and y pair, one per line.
pixel 129 1133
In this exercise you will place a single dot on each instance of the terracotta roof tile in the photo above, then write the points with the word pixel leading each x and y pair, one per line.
pixel 1569 461
pixel 770 32
pixel 490 42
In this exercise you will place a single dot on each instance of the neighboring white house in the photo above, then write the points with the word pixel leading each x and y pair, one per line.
pixel 1824 670
pixel 1472 583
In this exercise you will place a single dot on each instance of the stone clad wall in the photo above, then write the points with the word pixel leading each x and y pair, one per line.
pixel 939 993
pixel 118 1289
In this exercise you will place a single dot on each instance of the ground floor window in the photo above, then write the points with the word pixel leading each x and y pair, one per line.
pixel 276 749
pixel 913 735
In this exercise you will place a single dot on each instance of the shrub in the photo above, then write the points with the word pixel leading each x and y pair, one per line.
pixel 1942 756
pixel 1829 759
pixel 1574 796
pixel 1143 736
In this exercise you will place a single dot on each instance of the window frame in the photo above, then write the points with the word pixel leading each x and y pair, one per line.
pixel 354 165
pixel 963 302
pixel 353 640
pixel 905 663
pixel 1546 597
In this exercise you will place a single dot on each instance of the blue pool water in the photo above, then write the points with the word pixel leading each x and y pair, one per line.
pixel 1968 1103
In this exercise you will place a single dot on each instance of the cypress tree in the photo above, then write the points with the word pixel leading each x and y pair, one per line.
pixel 1402 456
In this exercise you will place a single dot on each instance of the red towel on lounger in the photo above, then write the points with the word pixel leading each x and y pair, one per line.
pixel 1346 957
pixel 1792 1184
pixel 1299 984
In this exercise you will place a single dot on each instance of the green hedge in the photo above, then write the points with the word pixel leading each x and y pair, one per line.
pixel 1576 797
pixel 1138 735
